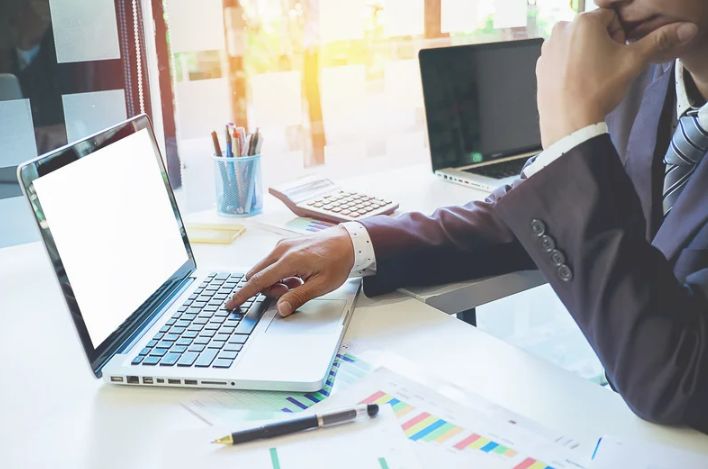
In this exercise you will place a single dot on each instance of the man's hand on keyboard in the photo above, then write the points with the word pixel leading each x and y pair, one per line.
pixel 300 269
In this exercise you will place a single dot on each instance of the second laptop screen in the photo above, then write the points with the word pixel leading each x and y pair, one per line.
pixel 481 101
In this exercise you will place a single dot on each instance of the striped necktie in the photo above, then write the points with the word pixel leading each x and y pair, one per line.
pixel 688 146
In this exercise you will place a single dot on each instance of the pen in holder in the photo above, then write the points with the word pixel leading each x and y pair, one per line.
pixel 239 190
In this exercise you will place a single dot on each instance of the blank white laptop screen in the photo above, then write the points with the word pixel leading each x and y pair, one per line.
pixel 114 228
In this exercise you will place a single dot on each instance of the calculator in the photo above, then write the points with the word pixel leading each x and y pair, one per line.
pixel 322 199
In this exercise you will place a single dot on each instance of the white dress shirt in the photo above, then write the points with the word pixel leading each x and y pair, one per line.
pixel 364 256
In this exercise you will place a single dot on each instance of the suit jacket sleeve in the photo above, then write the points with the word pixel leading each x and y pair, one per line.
pixel 649 329
pixel 452 244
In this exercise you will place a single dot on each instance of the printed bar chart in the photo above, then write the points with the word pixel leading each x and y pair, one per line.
pixel 275 462
pixel 530 463
pixel 228 406
pixel 422 426
pixel 346 367
pixel 274 459
pixel 307 225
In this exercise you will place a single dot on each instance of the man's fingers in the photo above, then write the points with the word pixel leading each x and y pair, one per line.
pixel 293 282
pixel 260 281
pixel 664 42
pixel 609 19
pixel 262 264
pixel 297 297
pixel 274 291
pixel 616 29
pixel 606 16
pixel 274 255
pixel 281 288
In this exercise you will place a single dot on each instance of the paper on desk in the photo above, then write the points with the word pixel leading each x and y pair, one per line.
pixel 443 429
pixel 286 223
pixel 613 452
pixel 217 406
pixel 375 443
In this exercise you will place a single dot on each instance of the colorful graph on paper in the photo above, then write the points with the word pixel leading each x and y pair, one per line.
pixel 379 463
pixel 365 443
pixel 217 406
pixel 307 225
pixel 424 427
pixel 346 367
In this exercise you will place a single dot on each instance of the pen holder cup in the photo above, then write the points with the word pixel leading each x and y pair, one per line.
pixel 239 187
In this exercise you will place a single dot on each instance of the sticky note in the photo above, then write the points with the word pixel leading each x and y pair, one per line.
pixel 88 113
pixel 84 31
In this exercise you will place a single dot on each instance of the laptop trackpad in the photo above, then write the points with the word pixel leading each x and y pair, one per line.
pixel 295 352
pixel 315 317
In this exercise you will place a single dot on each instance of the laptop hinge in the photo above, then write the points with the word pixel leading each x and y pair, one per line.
pixel 495 161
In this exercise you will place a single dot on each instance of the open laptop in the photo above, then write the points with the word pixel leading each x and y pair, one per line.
pixel 144 313
pixel 480 105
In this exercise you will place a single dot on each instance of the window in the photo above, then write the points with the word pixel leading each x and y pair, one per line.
pixel 333 85
pixel 67 69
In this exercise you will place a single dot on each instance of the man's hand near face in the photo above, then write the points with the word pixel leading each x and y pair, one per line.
pixel 300 269
pixel 586 68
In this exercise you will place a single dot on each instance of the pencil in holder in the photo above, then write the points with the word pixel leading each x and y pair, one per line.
pixel 239 187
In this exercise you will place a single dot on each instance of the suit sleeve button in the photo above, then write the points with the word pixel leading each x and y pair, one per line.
pixel 557 257
pixel 538 227
pixel 548 243
pixel 565 273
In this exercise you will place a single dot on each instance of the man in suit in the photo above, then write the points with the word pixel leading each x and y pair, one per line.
pixel 27 51
pixel 614 212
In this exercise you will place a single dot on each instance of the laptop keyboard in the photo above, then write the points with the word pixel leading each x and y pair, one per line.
pixel 500 170
pixel 203 333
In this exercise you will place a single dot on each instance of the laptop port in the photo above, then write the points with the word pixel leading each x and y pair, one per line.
pixel 116 379
pixel 174 381
pixel 193 382
pixel 133 380
pixel 160 381
pixel 147 380
pixel 220 383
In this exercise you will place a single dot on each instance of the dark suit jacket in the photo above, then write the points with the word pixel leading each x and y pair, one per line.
pixel 591 222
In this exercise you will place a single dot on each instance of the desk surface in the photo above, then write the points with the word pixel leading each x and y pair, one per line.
pixel 55 414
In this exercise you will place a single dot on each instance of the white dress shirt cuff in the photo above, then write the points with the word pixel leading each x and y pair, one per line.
pixel 563 146
pixel 364 256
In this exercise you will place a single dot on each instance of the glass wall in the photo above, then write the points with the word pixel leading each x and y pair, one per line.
pixel 333 85
pixel 67 69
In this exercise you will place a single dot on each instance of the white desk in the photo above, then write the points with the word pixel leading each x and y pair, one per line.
pixel 55 414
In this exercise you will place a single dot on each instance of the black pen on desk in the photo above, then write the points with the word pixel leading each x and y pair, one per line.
pixel 297 425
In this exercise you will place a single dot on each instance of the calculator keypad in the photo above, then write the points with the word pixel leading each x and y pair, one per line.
pixel 348 204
